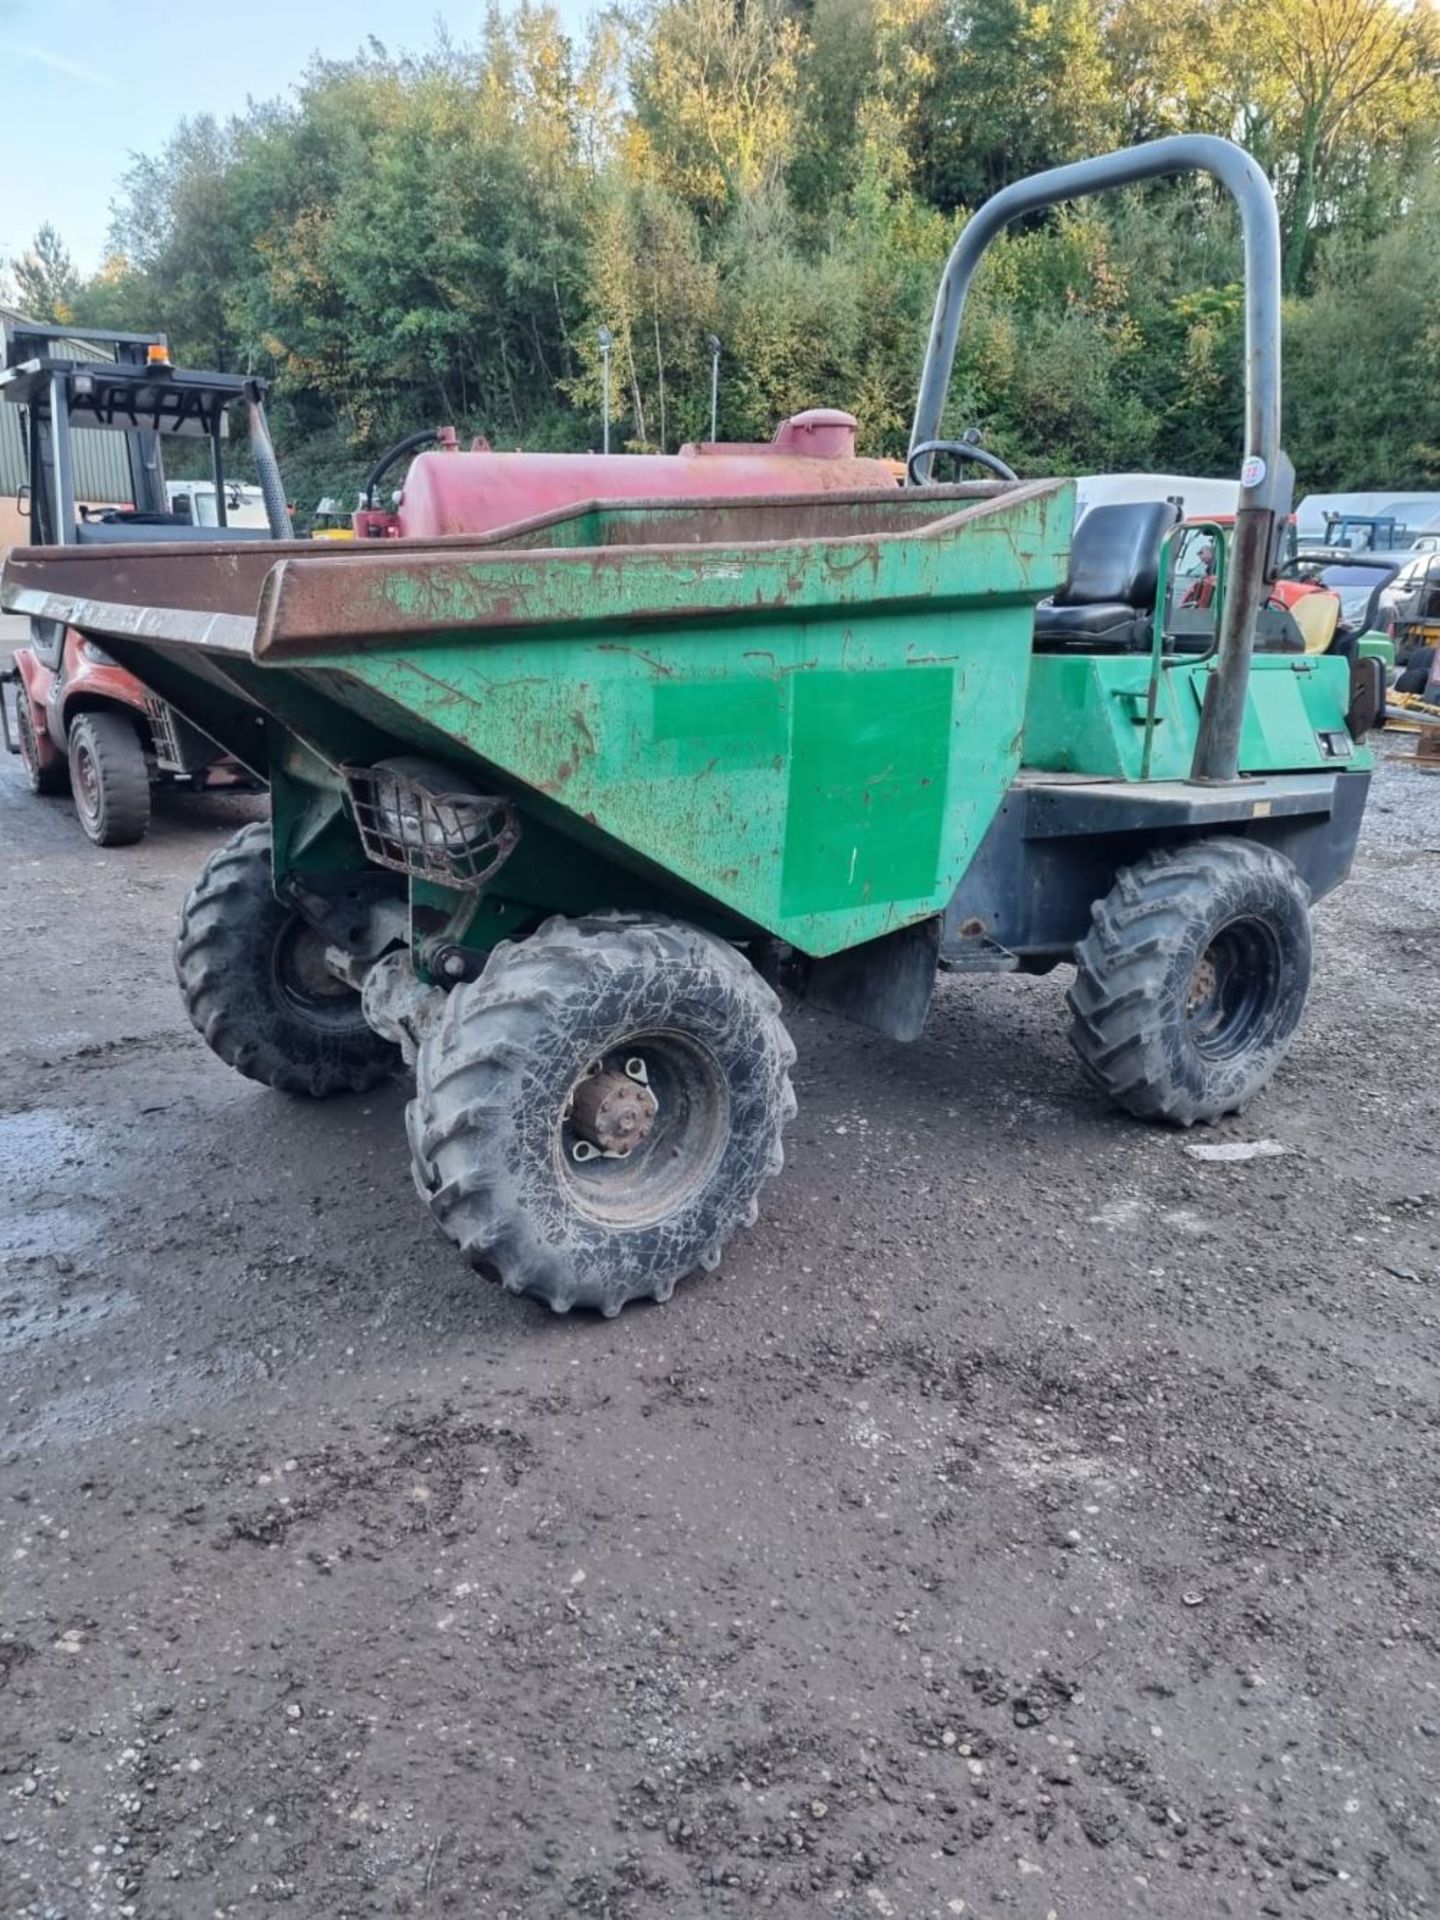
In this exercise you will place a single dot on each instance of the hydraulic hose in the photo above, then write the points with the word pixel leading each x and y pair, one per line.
pixel 410 444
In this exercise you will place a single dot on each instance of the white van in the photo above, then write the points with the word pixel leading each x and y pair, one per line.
pixel 244 506
pixel 1198 499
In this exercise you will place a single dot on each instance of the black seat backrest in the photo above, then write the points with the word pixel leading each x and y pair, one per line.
pixel 1115 555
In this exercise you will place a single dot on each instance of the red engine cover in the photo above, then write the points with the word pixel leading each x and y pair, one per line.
pixel 476 492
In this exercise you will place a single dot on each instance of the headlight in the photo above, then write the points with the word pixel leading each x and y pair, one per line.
pixel 97 655
pixel 419 817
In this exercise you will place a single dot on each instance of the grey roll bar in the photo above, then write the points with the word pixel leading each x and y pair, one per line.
pixel 1267 478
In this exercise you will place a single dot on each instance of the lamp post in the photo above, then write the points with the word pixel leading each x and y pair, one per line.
pixel 712 341
pixel 607 340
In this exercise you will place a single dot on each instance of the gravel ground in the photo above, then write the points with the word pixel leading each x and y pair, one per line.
pixel 1028 1520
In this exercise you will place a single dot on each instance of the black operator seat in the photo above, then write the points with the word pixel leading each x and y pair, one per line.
pixel 1107 603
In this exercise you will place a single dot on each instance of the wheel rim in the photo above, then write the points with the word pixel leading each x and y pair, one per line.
pixel 86 782
pixel 640 1160
pixel 1232 989
pixel 305 983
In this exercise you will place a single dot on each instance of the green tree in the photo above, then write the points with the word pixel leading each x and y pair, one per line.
pixel 1330 95
pixel 46 283
pixel 1343 79
pixel 1167 67
pixel 649 284
pixel 715 85
pixel 1014 86
pixel 1362 379
pixel 837 79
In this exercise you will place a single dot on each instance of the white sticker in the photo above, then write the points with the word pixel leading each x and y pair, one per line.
pixel 1253 471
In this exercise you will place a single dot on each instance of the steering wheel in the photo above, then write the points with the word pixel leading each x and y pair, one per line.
pixel 967 449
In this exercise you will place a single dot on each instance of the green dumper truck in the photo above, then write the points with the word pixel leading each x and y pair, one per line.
pixel 555 808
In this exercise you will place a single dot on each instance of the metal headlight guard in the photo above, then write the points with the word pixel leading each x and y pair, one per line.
pixel 419 817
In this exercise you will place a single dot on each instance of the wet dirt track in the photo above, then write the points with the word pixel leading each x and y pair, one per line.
pixel 1027 1519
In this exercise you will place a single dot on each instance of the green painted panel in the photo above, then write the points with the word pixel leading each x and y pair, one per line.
pixel 868 787
pixel 1293 701
pixel 762 810
pixel 1085 714
pixel 1071 711
pixel 725 725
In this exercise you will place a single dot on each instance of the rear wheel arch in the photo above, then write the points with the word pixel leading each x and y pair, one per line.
pixel 47 770
pixel 87 700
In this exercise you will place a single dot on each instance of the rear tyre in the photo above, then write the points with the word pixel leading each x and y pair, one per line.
pixel 253 977
pixel 109 780
pixel 595 1116
pixel 1191 983
pixel 39 777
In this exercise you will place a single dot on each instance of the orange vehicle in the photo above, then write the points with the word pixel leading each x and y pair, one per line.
pixel 1314 610
pixel 115 738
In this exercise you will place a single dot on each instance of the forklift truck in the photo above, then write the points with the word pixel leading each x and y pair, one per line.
pixel 82 721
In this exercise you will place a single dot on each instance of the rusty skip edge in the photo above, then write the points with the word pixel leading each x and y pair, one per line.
pixel 216 577
pixel 340 596
pixel 309 607
pixel 229 576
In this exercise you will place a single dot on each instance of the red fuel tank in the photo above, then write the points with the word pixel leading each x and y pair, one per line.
pixel 444 493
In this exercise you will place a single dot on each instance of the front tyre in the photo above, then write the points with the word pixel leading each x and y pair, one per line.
pixel 109 778
pixel 253 977
pixel 1191 983
pixel 595 1116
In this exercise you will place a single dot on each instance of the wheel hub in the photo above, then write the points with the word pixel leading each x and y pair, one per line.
pixel 89 784
pixel 305 979
pixel 612 1111
pixel 1202 984
pixel 1231 987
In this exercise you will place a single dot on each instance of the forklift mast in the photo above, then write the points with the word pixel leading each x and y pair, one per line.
pixel 49 454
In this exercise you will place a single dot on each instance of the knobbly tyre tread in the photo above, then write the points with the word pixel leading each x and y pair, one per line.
pixel 228 928
pixel 118 756
pixel 481 1076
pixel 1133 967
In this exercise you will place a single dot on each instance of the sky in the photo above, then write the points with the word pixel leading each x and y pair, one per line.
pixel 84 84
